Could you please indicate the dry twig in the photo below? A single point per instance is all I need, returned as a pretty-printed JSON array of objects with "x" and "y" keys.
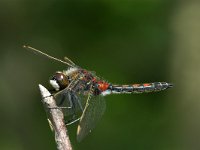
[{"x": 56, "y": 120}]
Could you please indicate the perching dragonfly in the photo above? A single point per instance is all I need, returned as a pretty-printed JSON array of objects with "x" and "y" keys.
[{"x": 81, "y": 91}]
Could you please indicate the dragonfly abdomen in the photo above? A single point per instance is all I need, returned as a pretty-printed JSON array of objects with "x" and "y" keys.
[{"x": 137, "y": 88}]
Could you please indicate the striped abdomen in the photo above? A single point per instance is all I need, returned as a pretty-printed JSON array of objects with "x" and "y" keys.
[{"x": 137, "y": 88}]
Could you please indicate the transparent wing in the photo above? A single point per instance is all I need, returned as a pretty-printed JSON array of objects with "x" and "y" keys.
[
  {"x": 93, "y": 111},
  {"x": 71, "y": 104}
]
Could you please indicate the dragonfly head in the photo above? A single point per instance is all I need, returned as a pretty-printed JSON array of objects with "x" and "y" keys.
[{"x": 59, "y": 81}]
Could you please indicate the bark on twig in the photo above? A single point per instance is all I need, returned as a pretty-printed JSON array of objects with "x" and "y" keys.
[{"x": 56, "y": 120}]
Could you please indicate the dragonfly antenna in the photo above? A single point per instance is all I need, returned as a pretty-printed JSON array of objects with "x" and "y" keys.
[
  {"x": 67, "y": 59},
  {"x": 49, "y": 56}
]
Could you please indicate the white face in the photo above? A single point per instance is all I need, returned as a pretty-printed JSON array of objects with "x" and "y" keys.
[{"x": 54, "y": 84}]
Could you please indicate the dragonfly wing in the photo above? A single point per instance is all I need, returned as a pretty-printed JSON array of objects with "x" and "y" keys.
[
  {"x": 71, "y": 105},
  {"x": 92, "y": 113}
]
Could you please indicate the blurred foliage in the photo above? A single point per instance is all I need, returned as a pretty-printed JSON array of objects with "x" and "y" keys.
[{"x": 125, "y": 42}]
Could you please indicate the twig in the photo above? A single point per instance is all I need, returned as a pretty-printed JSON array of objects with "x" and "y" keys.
[{"x": 56, "y": 120}]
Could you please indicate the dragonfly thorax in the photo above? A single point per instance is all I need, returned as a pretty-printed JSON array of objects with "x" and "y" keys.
[{"x": 59, "y": 81}]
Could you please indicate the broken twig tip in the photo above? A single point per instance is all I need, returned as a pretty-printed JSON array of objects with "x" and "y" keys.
[
  {"x": 44, "y": 92},
  {"x": 56, "y": 120}
]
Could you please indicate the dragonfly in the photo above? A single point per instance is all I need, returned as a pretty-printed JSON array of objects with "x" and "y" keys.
[{"x": 82, "y": 93}]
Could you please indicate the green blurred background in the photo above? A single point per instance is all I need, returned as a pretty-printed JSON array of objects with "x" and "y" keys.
[{"x": 124, "y": 42}]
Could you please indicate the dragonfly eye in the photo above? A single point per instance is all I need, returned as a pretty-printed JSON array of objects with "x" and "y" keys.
[{"x": 59, "y": 81}]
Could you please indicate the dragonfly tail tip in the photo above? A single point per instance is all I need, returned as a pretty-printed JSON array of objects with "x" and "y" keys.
[{"x": 170, "y": 85}]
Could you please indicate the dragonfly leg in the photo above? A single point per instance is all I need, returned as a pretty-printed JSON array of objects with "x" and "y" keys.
[
  {"x": 59, "y": 107},
  {"x": 72, "y": 121},
  {"x": 71, "y": 105},
  {"x": 72, "y": 102},
  {"x": 62, "y": 101},
  {"x": 79, "y": 102}
]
